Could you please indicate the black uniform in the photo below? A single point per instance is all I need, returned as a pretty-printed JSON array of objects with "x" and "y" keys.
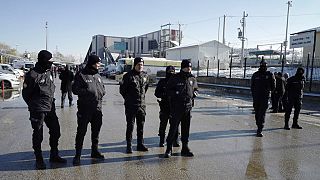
[
  {"x": 278, "y": 93},
  {"x": 38, "y": 93},
  {"x": 133, "y": 89},
  {"x": 90, "y": 90},
  {"x": 181, "y": 89},
  {"x": 262, "y": 83},
  {"x": 294, "y": 88},
  {"x": 164, "y": 113},
  {"x": 66, "y": 76}
]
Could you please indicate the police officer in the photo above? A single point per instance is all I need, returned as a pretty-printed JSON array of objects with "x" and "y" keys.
[
  {"x": 90, "y": 90},
  {"x": 294, "y": 88},
  {"x": 38, "y": 93},
  {"x": 164, "y": 113},
  {"x": 262, "y": 83},
  {"x": 285, "y": 95},
  {"x": 182, "y": 88},
  {"x": 278, "y": 93},
  {"x": 133, "y": 89},
  {"x": 66, "y": 76}
]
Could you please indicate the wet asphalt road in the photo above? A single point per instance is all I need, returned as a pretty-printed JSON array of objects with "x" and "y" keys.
[{"x": 222, "y": 139}]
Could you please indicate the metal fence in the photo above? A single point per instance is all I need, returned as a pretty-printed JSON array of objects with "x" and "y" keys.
[{"x": 245, "y": 71}]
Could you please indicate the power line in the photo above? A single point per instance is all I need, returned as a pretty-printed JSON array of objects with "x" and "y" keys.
[
  {"x": 275, "y": 16},
  {"x": 258, "y": 16}
]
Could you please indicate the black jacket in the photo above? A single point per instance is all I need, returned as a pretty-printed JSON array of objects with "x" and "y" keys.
[
  {"x": 89, "y": 88},
  {"x": 38, "y": 89},
  {"x": 294, "y": 87},
  {"x": 66, "y": 78},
  {"x": 133, "y": 88},
  {"x": 160, "y": 91},
  {"x": 262, "y": 82},
  {"x": 182, "y": 88},
  {"x": 280, "y": 86}
]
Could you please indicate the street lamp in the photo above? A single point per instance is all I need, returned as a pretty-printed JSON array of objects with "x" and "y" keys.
[
  {"x": 46, "y": 35},
  {"x": 17, "y": 48},
  {"x": 284, "y": 59}
]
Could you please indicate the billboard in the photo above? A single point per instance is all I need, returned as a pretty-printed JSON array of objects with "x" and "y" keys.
[{"x": 302, "y": 40}]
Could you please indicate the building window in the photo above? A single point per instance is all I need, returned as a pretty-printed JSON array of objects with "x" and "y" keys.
[{"x": 141, "y": 46}]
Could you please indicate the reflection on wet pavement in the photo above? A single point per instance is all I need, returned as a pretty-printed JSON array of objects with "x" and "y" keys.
[
  {"x": 222, "y": 137},
  {"x": 9, "y": 95},
  {"x": 255, "y": 168}
]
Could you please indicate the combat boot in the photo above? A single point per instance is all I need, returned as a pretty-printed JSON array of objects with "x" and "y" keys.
[
  {"x": 129, "y": 148},
  {"x": 141, "y": 146},
  {"x": 76, "y": 159},
  {"x": 95, "y": 153},
  {"x": 161, "y": 143},
  {"x": 39, "y": 162},
  {"x": 185, "y": 151},
  {"x": 259, "y": 133},
  {"x": 286, "y": 125},
  {"x": 168, "y": 152},
  {"x": 55, "y": 158},
  {"x": 295, "y": 124}
]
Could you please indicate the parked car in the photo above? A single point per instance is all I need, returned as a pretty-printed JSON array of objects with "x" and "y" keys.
[
  {"x": 109, "y": 71},
  {"x": 21, "y": 72},
  {"x": 8, "y": 69},
  {"x": 9, "y": 81},
  {"x": 101, "y": 68}
]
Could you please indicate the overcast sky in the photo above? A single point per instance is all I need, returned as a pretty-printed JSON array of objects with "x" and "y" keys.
[{"x": 72, "y": 23}]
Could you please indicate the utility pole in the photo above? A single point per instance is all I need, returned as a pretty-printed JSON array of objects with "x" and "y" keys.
[
  {"x": 224, "y": 30},
  {"x": 218, "y": 41},
  {"x": 163, "y": 43},
  {"x": 17, "y": 48},
  {"x": 241, "y": 35},
  {"x": 179, "y": 33},
  {"x": 285, "y": 41},
  {"x": 46, "y": 35}
]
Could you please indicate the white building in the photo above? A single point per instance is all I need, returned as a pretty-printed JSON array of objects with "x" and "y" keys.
[
  {"x": 208, "y": 51},
  {"x": 152, "y": 44}
]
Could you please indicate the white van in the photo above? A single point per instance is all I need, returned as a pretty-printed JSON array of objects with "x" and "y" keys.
[{"x": 25, "y": 65}]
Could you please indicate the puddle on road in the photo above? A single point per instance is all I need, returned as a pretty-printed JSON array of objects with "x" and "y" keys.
[{"x": 9, "y": 95}]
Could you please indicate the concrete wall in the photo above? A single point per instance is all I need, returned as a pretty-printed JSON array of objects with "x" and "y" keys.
[
  {"x": 246, "y": 82},
  {"x": 225, "y": 81}
]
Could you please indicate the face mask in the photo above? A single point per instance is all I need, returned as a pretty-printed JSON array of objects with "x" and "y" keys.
[
  {"x": 299, "y": 74},
  {"x": 168, "y": 74},
  {"x": 48, "y": 65},
  {"x": 263, "y": 68}
]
